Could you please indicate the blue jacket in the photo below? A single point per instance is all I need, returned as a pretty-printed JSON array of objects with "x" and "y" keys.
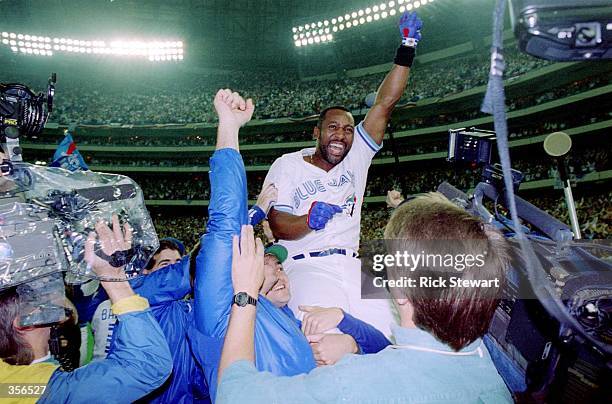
[
  {"x": 280, "y": 346},
  {"x": 207, "y": 350},
  {"x": 139, "y": 363},
  {"x": 165, "y": 290}
]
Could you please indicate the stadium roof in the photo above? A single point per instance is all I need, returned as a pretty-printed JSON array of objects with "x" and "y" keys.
[{"x": 247, "y": 34}]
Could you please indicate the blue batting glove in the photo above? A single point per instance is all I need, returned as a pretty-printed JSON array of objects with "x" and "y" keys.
[
  {"x": 410, "y": 28},
  {"x": 320, "y": 213}
]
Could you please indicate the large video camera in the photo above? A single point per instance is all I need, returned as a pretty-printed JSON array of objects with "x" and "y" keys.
[
  {"x": 46, "y": 214},
  {"x": 556, "y": 349},
  {"x": 23, "y": 113},
  {"x": 563, "y": 30}
]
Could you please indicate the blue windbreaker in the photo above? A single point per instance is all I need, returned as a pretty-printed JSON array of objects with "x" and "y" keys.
[
  {"x": 165, "y": 290},
  {"x": 280, "y": 346},
  {"x": 139, "y": 363}
]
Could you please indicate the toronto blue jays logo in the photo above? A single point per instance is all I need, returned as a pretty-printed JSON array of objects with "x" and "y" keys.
[{"x": 348, "y": 207}]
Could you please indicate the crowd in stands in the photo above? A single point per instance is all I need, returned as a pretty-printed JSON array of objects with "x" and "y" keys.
[
  {"x": 404, "y": 146},
  {"x": 594, "y": 216},
  {"x": 189, "y": 98},
  {"x": 413, "y": 180},
  {"x": 252, "y": 136}
]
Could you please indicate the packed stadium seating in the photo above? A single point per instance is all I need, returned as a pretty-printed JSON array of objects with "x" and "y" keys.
[
  {"x": 190, "y": 100},
  {"x": 594, "y": 216},
  {"x": 116, "y": 114}
]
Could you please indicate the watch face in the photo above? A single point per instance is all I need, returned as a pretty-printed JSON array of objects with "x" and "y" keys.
[{"x": 241, "y": 299}]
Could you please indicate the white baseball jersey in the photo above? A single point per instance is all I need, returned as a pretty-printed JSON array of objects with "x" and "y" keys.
[
  {"x": 103, "y": 323},
  {"x": 300, "y": 183}
]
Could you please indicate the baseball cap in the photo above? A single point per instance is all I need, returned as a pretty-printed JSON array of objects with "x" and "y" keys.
[{"x": 278, "y": 251}]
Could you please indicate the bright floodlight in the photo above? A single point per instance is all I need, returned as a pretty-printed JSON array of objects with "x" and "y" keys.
[
  {"x": 355, "y": 18},
  {"x": 42, "y": 45}
]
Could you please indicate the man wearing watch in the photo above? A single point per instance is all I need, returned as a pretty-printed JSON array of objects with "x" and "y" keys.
[
  {"x": 280, "y": 344},
  {"x": 242, "y": 299}
]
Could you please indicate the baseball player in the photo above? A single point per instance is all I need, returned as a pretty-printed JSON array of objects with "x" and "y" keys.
[{"x": 320, "y": 192}]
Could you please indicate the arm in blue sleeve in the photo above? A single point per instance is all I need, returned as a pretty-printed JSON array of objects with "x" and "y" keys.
[
  {"x": 166, "y": 284},
  {"x": 369, "y": 339},
  {"x": 227, "y": 212},
  {"x": 139, "y": 363}
]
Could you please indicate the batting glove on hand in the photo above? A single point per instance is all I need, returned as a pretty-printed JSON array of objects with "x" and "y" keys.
[
  {"x": 320, "y": 213},
  {"x": 410, "y": 28}
]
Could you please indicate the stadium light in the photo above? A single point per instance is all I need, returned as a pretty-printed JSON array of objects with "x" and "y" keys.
[
  {"x": 352, "y": 19},
  {"x": 42, "y": 45}
]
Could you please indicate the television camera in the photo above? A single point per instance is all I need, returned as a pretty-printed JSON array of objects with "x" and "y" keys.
[
  {"x": 551, "y": 335},
  {"x": 46, "y": 214}
]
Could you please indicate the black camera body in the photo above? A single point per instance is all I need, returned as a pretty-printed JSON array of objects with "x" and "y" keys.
[
  {"x": 541, "y": 358},
  {"x": 23, "y": 113},
  {"x": 541, "y": 355},
  {"x": 563, "y": 30}
]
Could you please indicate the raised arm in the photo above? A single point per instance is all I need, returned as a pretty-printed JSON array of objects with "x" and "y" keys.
[
  {"x": 227, "y": 212},
  {"x": 247, "y": 277},
  {"x": 394, "y": 84},
  {"x": 265, "y": 200}
]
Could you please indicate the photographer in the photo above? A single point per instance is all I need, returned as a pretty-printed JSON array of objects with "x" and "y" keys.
[{"x": 139, "y": 362}]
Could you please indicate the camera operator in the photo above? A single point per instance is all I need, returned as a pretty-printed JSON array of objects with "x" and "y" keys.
[{"x": 139, "y": 362}]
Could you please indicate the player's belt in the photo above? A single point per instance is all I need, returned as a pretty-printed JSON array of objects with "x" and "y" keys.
[{"x": 325, "y": 253}]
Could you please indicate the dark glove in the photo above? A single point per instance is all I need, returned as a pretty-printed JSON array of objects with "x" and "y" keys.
[{"x": 320, "y": 213}]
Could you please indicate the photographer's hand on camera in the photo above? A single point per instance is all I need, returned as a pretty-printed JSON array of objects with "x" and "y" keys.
[{"x": 110, "y": 241}]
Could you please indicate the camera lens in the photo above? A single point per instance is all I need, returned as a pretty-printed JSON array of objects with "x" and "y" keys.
[{"x": 587, "y": 34}]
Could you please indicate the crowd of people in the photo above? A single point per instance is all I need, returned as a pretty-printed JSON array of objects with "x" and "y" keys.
[
  {"x": 216, "y": 316},
  {"x": 412, "y": 180},
  {"x": 206, "y": 137},
  {"x": 188, "y": 100},
  {"x": 594, "y": 216},
  {"x": 403, "y": 146}
]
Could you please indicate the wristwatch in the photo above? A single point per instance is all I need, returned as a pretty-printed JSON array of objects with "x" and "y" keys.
[{"x": 242, "y": 299}]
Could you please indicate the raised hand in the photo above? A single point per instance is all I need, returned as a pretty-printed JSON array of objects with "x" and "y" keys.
[
  {"x": 394, "y": 198},
  {"x": 320, "y": 213},
  {"x": 410, "y": 29},
  {"x": 267, "y": 197},
  {"x": 232, "y": 109}
]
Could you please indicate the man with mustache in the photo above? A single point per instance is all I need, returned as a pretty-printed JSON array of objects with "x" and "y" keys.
[{"x": 320, "y": 192}]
